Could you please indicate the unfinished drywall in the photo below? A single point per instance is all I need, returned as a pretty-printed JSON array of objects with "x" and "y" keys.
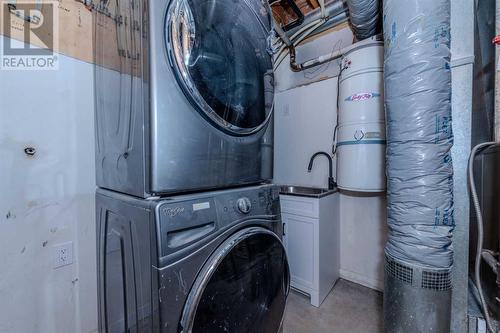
[
  {"x": 47, "y": 198},
  {"x": 305, "y": 118}
]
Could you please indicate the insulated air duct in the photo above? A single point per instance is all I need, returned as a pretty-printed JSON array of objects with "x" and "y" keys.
[
  {"x": 419, "y": 167},
  {"x": 364, "y": 15}
]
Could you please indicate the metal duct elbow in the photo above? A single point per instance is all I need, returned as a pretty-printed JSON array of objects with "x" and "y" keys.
[{"x": 364, "y": 15}]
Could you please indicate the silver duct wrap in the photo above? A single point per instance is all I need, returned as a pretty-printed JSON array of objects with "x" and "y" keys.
[
  {"x": 419, "y": 132},
  {"x": 364, "y": 15}
]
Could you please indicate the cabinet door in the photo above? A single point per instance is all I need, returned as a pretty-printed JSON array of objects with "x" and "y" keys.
[{"x": 300, "y": 242}]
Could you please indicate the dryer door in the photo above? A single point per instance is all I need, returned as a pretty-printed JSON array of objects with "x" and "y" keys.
[
  {"x": 218, "y": 50},
  {"x": 242, "y": 288}
]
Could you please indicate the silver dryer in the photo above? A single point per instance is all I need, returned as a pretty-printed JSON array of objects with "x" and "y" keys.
[{"x": 184, "y": 95}]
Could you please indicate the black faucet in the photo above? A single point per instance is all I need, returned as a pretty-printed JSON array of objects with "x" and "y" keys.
[{"x": 331, "y": 182}]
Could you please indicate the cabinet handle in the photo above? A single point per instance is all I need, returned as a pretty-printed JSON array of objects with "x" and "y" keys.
[{"x": 284, "y": 225}]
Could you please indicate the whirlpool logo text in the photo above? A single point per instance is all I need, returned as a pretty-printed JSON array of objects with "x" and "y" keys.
[
  {"x": 362, "y": 96},
  {"x": 174, "y": 211}
]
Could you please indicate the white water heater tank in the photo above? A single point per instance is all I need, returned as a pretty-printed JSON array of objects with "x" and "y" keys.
[{"x": 361, "y": 129}]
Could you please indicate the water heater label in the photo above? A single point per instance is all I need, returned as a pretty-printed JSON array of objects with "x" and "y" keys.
[{"x": 362, "y": 96}]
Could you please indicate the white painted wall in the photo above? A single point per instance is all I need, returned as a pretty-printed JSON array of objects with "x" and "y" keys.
[
  {"x": 47, "y": 199},
  {"x": 304, "y": 122},
  {"x": 363, "y": 232}
]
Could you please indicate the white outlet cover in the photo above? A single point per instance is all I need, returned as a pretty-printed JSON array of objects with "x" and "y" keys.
[{"x": 63, "y": 254}]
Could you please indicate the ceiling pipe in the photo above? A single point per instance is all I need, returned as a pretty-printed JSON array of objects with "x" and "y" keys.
[
  {"x": 332, "y": 10},
  {"x": 364, "y": 16},
  {"x": 332, "y": 22},
  {"x": 298, "y": 67}
]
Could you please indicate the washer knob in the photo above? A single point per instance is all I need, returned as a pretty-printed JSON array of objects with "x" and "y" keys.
[{"x": 244, "y": 205}]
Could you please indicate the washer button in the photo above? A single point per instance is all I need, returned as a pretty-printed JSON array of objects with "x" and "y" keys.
[{"x": 244, "y": 205}]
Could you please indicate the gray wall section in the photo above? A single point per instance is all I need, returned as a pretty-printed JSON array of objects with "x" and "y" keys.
[
  {"x": 461, "y": 113},
  {"x": 497, "y": 77},
  {"x": 462, "y": 46},
  {"x": 483, "y": 101},
  {"x": 481, "y": 130}
]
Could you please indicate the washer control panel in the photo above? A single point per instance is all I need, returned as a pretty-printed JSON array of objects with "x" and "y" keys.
[
  {"x": 187, "y": 219},
  {"x": 242, "y": 204}
]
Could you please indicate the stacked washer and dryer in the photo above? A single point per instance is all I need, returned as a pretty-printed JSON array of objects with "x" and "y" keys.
[{"x": 188, "y": 226}]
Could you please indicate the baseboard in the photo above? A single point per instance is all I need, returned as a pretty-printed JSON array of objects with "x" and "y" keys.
[{"x": 362, "y": 280}]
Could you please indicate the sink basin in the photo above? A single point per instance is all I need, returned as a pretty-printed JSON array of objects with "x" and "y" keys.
[{"x": 301, "y": 191}]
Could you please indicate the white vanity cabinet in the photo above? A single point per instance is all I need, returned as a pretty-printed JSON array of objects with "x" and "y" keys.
[{"x": 311, "y": 238}]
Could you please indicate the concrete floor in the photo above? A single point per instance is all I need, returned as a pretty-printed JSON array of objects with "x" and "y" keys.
[{"x": 349, "y": 308}]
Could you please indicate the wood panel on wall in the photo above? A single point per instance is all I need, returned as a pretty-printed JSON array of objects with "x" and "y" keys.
[{"x": 76, "y": 29}]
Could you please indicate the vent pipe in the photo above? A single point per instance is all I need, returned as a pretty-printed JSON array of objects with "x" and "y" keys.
[
  {"x": 364, "y": 15},
  {"x": 419, "y": 167},
  {"x": 332, "y": 10}
]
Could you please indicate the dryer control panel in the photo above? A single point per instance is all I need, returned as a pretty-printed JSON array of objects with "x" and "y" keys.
[{"x": 186, "y": 220}]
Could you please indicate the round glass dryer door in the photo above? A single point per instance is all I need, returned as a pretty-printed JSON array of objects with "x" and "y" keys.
[
  {"x": 218, "y": 50},
  {"x": 242, "y": 288}
]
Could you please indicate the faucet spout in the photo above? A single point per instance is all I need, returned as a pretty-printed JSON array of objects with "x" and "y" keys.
[
  {"x": 309, "y": 168},
  {"x": 331, "y": 182}
]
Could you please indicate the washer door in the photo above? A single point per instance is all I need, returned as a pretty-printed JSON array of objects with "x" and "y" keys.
[
  {"x": 218, "y": 50},
  {"x": 242, "y": 288}
]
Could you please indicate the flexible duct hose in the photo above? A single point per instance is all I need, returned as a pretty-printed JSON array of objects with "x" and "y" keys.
[
  {"x": 364, "y": 16},
  {"x": 417, "y": 77},
  {"x": 480, "y": 232}
]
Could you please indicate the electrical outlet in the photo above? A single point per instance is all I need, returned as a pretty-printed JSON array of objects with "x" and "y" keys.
[{"x": 63, "y": 254}]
